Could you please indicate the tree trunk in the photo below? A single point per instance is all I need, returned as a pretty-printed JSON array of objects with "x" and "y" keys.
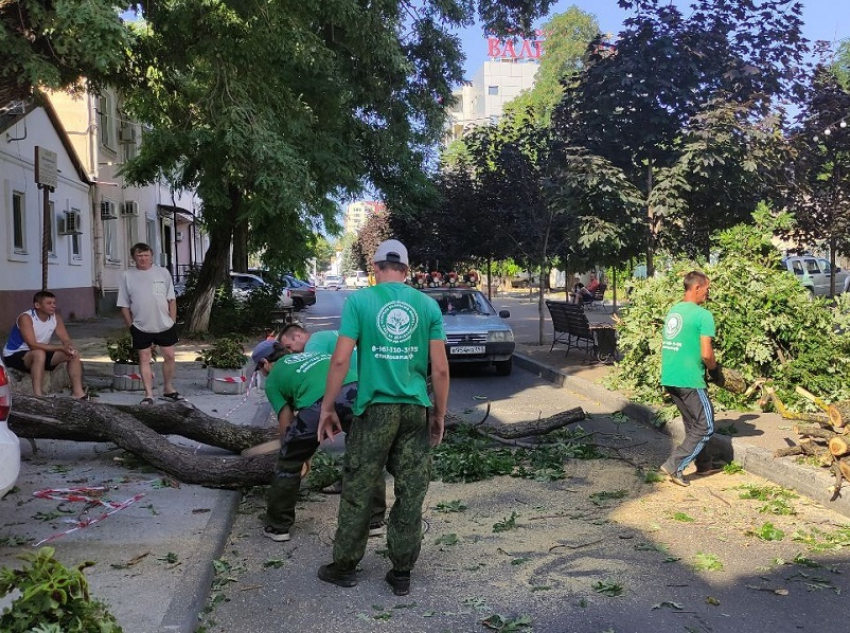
[
  {"x": 814, "y": 430},
  {"x": 214, "y": 269},
  {"x": 650, "y": 225},
  {"x": 65, "y": 418},
  {"x": 239, "y": 258}
]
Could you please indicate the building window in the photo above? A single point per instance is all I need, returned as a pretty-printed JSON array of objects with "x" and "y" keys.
[
  {"x": 76, "y": 247},
  {"x": 132, "y": 233},
  {"x": 492, "y": 90},
  {"x": 150, "y": 233},
  {"x": 110, "y": 240},
  {"x": 104, "y": 121},
  {"x": 19, "y": 226}
]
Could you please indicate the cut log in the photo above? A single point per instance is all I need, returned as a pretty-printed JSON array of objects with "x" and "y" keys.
[
  {"x": 844, "y": 467},
  {"x": 839, "y": 445},
  {"x": 814, "y": 430},
  {"x": 839, "y": 413},
  {"x": 536, "y": 427},
  {"x": 731, "y": 380}
]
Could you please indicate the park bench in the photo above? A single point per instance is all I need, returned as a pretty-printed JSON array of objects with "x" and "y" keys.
[
  {"x": 571, "y": 328},
  {"x": 598, "y": 300}
]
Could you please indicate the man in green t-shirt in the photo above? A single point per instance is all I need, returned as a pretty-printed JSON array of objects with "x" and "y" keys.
[
  {"x": 397, "y": 329},
  {"x": 296, "y": 383},
  {"x": 686, "y": 352},
  {"x": 296, "y": 339}
]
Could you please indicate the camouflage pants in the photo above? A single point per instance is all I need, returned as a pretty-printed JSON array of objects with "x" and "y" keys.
[
  {"x": 298, "y": 446},
  {"x": 395, "y": 436}
]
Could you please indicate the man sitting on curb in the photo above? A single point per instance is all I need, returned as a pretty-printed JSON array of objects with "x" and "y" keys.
[
  {"x": 296, "y": 382},
  {"x": 29, "y": 349}
]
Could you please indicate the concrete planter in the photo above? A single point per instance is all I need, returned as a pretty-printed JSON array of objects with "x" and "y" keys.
[
  {"x": 227, "y": 381},
  {"x": 127, "y": 377}
]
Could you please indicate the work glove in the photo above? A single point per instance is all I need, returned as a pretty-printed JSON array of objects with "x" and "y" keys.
[{"x": 716, "y": 375}]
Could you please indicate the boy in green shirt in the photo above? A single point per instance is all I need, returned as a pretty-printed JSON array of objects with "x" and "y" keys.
[
  {"x": 686, "y": 352},
  {"x": 397, "y": 329}
]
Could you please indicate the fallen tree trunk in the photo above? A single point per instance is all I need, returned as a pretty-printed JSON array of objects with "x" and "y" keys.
[
  {"x": 68, "y": 419},
  {"x": 814, "y": 430},
  {"x": 142, "y": 431},
  {"x": 536, "y": 427},
  {"x": 55, "y": 418}
]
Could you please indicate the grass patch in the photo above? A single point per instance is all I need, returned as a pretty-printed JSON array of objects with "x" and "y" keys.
[{"x": 707, "y": 562}]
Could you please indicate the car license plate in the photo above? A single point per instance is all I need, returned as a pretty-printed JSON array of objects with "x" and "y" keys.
[{"x": 467, "y": 349}]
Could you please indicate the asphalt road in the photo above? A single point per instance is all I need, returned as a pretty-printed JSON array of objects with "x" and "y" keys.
[{"x": 602, "y": 550}]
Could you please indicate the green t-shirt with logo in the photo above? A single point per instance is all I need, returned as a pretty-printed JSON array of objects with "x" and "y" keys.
[
  {"x": 681, "y": 352},
  {"x": 393, "y": 325},
  {"x": 299, "y": 380},
  {"x": 324, "y": 342}
]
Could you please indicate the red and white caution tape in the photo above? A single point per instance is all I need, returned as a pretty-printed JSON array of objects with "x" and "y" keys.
[
  {"x": 83, "y": 495},
  {"x": 129, "y": 376},
  {"x": 233, "y": 379}
]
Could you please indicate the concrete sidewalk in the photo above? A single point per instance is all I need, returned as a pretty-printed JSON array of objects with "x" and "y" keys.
[{"x": 154, "y": 559}]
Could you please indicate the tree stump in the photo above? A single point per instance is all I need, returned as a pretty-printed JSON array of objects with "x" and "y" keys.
[{"x": 839, "y": 413}]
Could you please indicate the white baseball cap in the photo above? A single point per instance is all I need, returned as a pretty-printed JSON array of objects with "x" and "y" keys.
[{"x": 391, "y": 251}]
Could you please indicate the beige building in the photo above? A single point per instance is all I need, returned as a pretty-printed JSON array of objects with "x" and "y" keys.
[{"x": 357, "y": 213}]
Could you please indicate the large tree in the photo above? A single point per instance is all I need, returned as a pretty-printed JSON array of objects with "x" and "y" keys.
[
  {"x": 273, "y": 111},
  {"x": 59, "y": 44},
  {"x": 669, "y": 76}
]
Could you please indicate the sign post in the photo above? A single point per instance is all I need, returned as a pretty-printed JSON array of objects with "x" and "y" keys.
[{"x": 46, "y": 176}]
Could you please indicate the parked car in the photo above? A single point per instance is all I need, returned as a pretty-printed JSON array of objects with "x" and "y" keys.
[
  {"x": 358, "y": 279},
  {"x": 244, "y": 283},
  {"x": 332, "y": 281},
  {"x": 303, "y": 294},
  {"x": 815, "y": 274},
  {"x": 475, "y": 332}
]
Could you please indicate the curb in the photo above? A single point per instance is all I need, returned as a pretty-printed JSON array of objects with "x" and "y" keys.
[
  {"x": 758, "y": 461},
  {"x": 189, "y": 601}
]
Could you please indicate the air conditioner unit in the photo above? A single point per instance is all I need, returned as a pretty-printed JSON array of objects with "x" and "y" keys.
[
  {"x": 130, "y": 209},
  {"x": 107, "y": 210},
  {"x": 71, "y": 223},
  {"x": 178, "y": 236},
  {"x": 127, "y": 134}
]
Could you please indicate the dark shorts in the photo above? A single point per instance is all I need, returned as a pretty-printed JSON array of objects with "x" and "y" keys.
[
  {"x": 306, "y": 423},
  {"x": 16, "y": 361},
  {"x": 145, "y": 340}
]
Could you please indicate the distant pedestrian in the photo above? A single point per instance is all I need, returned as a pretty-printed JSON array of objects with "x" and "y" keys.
[
  {"x": 397, "y": 330},
  {"x": 29, "y": 348},
  {"x": 296, "y": 383},
  {"x": 686, "y": 353},
  {"x": 149, "y": 307}
]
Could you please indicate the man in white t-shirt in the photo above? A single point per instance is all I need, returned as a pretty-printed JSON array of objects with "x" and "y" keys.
[{"x": 149, "y": 307}]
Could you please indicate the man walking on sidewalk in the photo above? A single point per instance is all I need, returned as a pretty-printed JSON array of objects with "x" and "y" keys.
[
  {"x": 149, "y": 307},
  {"x": 396, "y": 328},
  {"x": 686, "y": 352}
]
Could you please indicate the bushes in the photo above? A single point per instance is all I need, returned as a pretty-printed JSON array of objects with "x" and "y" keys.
[{"x": 766, "y": 324}]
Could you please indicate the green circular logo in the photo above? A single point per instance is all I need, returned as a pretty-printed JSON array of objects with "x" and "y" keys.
[
  {"x": 397, "y": 321},
  {"x": 673, "y": 325}
]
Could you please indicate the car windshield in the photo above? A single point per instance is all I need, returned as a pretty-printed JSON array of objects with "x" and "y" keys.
[{"x": 462, "y": 302}]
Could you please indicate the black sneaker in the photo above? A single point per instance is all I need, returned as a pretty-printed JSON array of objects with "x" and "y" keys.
[
  {"x": 332, "y": 574},
  {"x": 377, "y": 529},
  {"x": 708, "y": 470},
  {"x": 677, "y": 478},
  {"x": 399, "y": 581},
  {"x": 276, "y": 534}
]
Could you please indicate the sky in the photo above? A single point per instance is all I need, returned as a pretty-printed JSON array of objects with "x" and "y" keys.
[{"x": 823, "y": 20}]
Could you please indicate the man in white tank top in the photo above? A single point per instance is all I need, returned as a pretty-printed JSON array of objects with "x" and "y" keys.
[{"x": 29, "y": 349}]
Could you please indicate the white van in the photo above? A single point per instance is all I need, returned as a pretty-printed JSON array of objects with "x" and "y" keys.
[{"x": 358, "y": 279}]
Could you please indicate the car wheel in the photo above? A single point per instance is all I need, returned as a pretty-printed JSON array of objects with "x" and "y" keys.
[
  {"x": 811, "y": 294},
  {"x": 297, "y": 304},
  {"x": 504, "y": 367}
]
